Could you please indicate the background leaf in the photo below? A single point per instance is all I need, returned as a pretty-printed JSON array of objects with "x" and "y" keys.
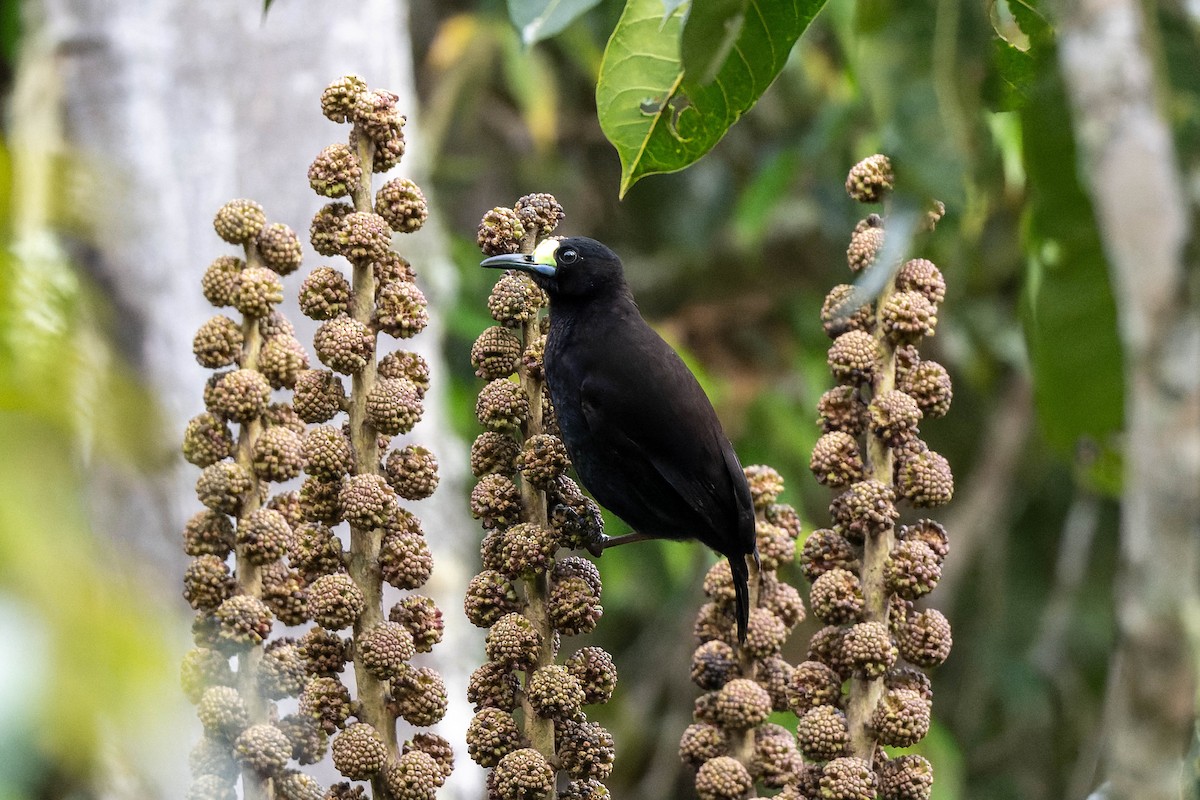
[
  {"x": 1070, "y": 315},
  {"x": 1013, "y": 74},
  {"x": 530, "y": 76},
  {"x": 657, "y": 126},
  {"x": 540, "y": 19}
]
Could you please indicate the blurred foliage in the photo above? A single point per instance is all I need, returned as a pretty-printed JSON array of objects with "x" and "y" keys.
[
  {"x": 731, "y": 259},
  {"x": 541, "y": 19},
  {"x": 85, "y": 651}
]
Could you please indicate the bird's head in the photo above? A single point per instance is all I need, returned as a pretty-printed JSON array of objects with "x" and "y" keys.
[{"x": 567, "y": 269}]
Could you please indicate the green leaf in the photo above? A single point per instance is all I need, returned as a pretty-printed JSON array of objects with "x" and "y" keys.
[
  {"x": 540, "y": 19},
  {"x": 10, "y": 32},
  {"x": 654, "y": 123},
  {"x": 711, "y": 29},
  {"x": 1070, "y": 314}
]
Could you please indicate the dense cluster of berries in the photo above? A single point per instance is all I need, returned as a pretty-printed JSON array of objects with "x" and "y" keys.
[
  {"x": 730, "y": 743},
  {"x": 873, "y": 564},
  {"x": 530, "y": 723},
  {"x": 236, "y": 669},
  {"x": 292, "y": 566}
]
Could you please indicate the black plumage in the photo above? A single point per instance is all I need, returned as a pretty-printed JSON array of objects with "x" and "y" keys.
[{"x": 640, "y": 431}]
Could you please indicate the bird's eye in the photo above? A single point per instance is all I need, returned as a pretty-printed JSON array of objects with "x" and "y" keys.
[{"x": 568, "y": 256}]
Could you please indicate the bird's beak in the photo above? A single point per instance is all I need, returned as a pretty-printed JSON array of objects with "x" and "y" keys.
[{"x": 540, "y": 261}]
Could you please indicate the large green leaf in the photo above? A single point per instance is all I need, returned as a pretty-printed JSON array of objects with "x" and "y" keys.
[
  {"x": 711, "y": 29},
  {"x": 656, "y": 123},
  {"x": 540, "y": 19},
  {"x": 671, "y": 6}
]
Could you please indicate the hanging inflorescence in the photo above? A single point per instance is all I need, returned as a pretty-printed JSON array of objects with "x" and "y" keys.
[
  {"x": 864, "y": 685},
  {"x": 293, "y": 566},
  {"x": 530, "y": 724}
]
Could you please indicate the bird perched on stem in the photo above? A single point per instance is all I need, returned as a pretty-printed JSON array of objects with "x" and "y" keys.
[{"x": 640, "y": 431}]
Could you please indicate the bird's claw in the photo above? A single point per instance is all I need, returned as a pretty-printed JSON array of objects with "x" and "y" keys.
[{"x": 604, "y": 542}]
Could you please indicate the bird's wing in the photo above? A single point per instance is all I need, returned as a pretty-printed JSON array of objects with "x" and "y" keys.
[{"x": 658, "y": 427}]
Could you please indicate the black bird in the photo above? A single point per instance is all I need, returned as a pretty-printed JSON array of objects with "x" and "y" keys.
[{"x": 640, "y": 431}]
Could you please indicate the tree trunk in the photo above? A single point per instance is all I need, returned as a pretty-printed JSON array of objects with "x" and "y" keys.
[{"x": 1129, "y": 162}]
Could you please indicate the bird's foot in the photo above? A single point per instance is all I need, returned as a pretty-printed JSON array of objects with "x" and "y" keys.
[{"x": 598, "y": 547}]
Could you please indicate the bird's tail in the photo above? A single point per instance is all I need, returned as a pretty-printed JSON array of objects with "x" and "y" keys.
[{"x": 741, "y": 590}]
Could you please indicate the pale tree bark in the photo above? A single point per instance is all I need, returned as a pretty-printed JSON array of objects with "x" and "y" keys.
[
  {"x": 169, "y": 108},
  {"x": 1127, "y": 159}
]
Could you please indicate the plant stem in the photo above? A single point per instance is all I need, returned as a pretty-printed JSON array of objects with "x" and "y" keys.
[
  {"x": 249, "y": 575},
  {"x": 364, "y": 439},
  {"x": 539, "y": 730},
  {"x": 866, "y": 692}
]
